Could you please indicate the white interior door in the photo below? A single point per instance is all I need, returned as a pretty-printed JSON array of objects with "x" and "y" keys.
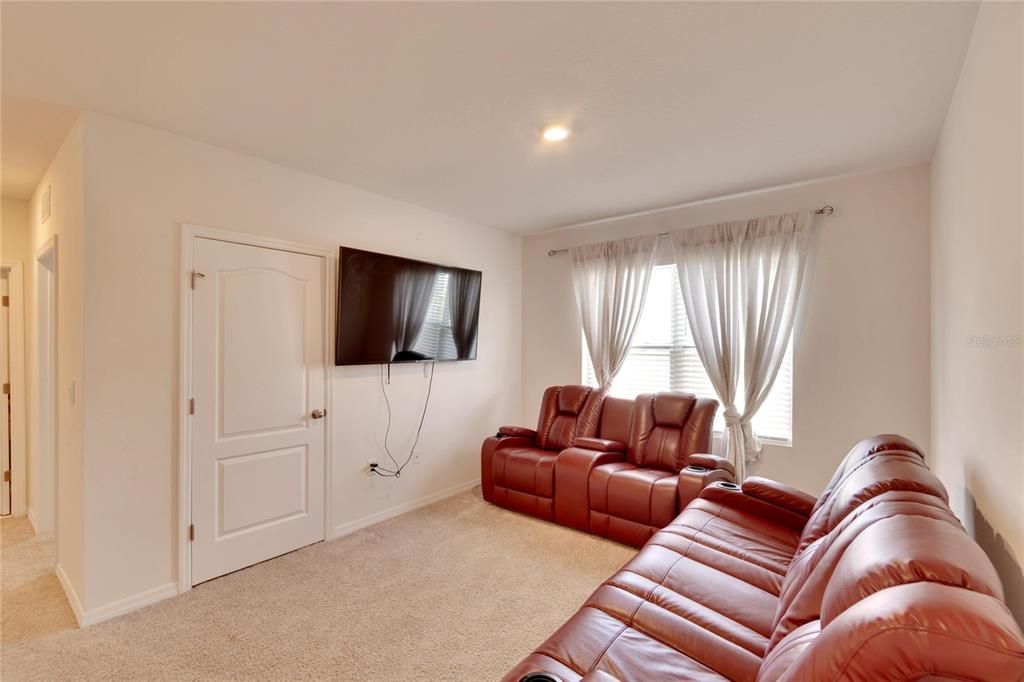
[
  {"x": 258, "y": 378},
  {"x": 5, "y": 400}
]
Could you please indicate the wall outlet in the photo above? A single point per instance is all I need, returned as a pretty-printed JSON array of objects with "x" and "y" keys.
[{"x": 370, "y": 465}]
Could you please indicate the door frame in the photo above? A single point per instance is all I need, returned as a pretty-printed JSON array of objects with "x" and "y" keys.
[
  {"x": 19, "y": 421},
  {"x": 45, "y": 516},
  {"x": 189, "y": 234}
]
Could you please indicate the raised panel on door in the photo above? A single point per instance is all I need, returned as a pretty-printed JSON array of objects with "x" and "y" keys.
[
  {"x": 260, "y": 488},
  {"x": 271, "y": 301},
  {"x": 258, "y": 374}
]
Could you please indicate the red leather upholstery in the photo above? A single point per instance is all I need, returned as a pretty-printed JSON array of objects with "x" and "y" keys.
[
  {"x": 568, "y": 412},
  {"x": 517, "y": 466},
  {"x": 779, "y": 494},
  {"x": 630, "y": 500},
  {"x": 875, "y": 580},
  {"x": 575, "y": 465},
  {"x": 669, "y": 427}
]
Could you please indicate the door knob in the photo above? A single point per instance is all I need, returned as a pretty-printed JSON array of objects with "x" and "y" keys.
[{"x": 319, "y": 414}]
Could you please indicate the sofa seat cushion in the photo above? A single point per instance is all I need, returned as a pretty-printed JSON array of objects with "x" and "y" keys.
[
  {"x": 525, "y": 469},
  {"x": 603, "y": 643},
  {"x": 626, "y": 491},
  {"x": 745, "y": 536}
]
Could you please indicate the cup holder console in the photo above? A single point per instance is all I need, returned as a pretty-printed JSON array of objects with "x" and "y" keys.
[
  {"x": 693, "y": 468},
  {"x": 727, "y": 485},
  {"x": 540, "y": 677}
]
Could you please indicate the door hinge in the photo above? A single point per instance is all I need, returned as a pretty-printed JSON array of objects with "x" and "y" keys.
[
  {"x": 7, "y": 477},
  {"x": 191, "y": 406},
  {"x": 7, "y": 389},
  {"x": 196, "y": 275},
  {"x": 7, "y": 301},
  {"x": 191, "y": 532}
]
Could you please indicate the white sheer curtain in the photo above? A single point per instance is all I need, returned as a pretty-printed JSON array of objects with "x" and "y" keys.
[
  {"x": 464, "y": 308},
  {"x": 414, "y": 284},
  {"x": 742, "y": 283},
  {"x": 611, "y": 281}
]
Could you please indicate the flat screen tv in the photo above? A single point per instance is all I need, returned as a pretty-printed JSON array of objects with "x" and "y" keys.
[{"x": 393, "y": 309}]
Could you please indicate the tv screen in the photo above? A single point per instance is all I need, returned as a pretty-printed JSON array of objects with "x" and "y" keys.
[{"x": 393, "y": 309}]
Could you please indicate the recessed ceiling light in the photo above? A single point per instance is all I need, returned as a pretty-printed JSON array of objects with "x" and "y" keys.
[{"x": 555, "y": 133}]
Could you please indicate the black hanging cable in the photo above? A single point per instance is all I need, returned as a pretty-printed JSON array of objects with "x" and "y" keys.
[
  {"x": 397, "y": 471},
  {"x": 387, "y": 430}
]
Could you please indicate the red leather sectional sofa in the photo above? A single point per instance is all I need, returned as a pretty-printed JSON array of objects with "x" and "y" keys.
[
  {"x": 874, "y": 580},
  {"x": 622, "y": 469}
]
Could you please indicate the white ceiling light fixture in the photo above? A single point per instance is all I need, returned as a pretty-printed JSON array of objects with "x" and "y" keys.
[{"x": 555, "y": 133}]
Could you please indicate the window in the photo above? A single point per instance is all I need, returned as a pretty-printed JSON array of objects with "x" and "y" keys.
[
  {"x": 663, "y": 358},
  {"x": 435, "y": 339}
]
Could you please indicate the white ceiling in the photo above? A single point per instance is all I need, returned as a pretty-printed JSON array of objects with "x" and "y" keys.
[{"x": 441, "y": 104}]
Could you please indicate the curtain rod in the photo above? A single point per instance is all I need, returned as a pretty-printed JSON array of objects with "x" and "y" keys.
[{"x": 827, "y": 209}]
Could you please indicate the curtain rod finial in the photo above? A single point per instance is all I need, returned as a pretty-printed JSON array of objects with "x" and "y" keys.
[{"x": 825, "y": 210}]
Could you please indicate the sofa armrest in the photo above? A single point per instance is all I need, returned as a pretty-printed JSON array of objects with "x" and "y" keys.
[
  {"x": 694, "y": 478},
  {"x": 711, "y": 462},
  {"x": 572, "y": 484},
  {"x": 779, "y": 494},
  {"x": 517, "y": 431},
  {"x": 490, "y": 446},
  {"x": 599, "y": 445},
  {"x": 731, "y": 495}
]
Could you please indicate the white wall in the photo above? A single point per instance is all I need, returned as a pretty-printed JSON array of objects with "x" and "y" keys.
[
  {"x": 861, "y": 350},
  {"x": 142, "y": 183},
  {"x": 978, "y": 291},
  {"x": 66, "y": 223},
  {"x": 15, "y": 230}
]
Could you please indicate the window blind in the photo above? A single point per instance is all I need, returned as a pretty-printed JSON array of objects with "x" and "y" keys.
[
  {"x": 663, "y": 357},
  {"x": 435, "y": 339}
]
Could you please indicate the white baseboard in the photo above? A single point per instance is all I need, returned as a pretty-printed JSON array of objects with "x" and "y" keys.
[
  {"x": 137, "y": 601},
  {"x": 123, "y": 606},
  {"x": 69, "y": 592},
  {"x": 360, "y": 523},
  {"x": 113, "y": 609}
]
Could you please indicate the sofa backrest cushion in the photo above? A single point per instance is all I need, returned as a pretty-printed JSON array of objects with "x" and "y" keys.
[
  {"x": 913, "y": 631},
  {"x": 809, "y": 574},
  {"x": 907, "y": 595},
  {"x": 858, "y": 480},
  {"x": 669, "y": 427},
  {"x": 568, "y": 413},
  {"x": 616, "y": 416},
  {"x": 907, "y": 549}
]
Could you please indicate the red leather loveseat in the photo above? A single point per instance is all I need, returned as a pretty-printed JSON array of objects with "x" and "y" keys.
[
  {"x": 618, "y": 468},
  {"x": 874, "y": 580}
]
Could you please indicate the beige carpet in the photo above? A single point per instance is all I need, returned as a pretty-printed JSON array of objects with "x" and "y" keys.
[
  {"x": 32, "y": 602},
  {"x": 459, "y": 590}
]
